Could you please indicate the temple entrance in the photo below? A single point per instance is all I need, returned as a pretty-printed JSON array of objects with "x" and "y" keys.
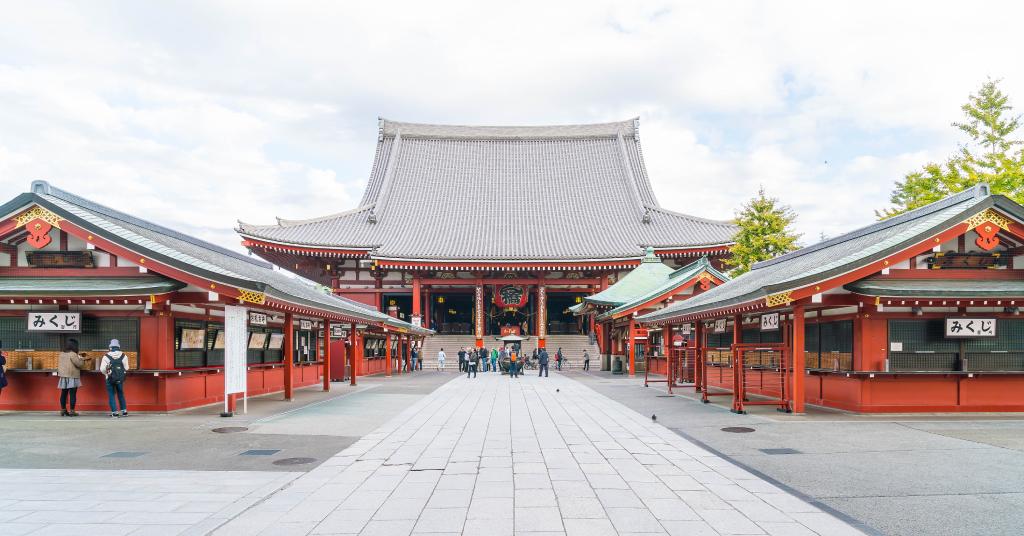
[
  {"x": 560, "y": 320},
  {"x": 452, "y": 313},
  {"x": 397, "y": 305}
]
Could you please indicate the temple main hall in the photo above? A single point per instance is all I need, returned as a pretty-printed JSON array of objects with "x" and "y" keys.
[{"x": 480, "y": 232}]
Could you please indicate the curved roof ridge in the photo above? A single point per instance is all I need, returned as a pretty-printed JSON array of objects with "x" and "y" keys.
[
  {"x": 977, "y": 191},
  {"x": 281, "y": 222},
  {"x": 669, "y": 212},
  {"x": 627, "y": 128}
]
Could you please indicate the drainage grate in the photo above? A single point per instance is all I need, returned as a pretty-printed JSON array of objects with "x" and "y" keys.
[
  {"x": 294, "y": 461},
  {"x": 737, "y": 429},
  {"x": 780, "y": 451},
  {"x": 665, "y": 396},
  {"x": 125, "y": 454},
  {"x": 230, "y": 430},
  {"x": 261, "y": 452}
]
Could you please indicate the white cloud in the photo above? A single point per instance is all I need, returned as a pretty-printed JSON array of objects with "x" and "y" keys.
[{"x": 205, "y": 113}]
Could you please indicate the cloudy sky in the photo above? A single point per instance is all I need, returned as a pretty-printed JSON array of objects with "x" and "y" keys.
[{"x": 201, "y": 113}]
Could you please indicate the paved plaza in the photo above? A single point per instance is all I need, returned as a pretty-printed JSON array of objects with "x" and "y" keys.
[{"x": 486, "y": 456}]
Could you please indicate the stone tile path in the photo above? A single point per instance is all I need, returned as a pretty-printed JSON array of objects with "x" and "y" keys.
[{"x": 494, "y": 456}]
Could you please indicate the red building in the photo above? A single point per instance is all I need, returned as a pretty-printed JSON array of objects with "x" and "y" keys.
[
  {"x": 475, "y": 231},
  {"x": 919, "y": 312},
  {"x": 109, "y": 275}
]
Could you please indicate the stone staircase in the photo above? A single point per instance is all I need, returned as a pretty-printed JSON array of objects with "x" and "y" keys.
[{"x": 572, "y": 348}]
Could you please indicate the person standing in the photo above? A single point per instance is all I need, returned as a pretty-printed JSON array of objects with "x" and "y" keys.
[
  {"x": 483, "y": 358},
  {"x": 542, "y": 363},
  {"x": 440, "y": 359},
  {"x": 115, "y": 367},
  {"x": 462, "y": 359},
  {"x": 559, "y": 357},
  {"x": 3, "y": 369},
  {"x": 513, "y": 366},
  {"x": 413, "y": 358},
  {"x": 69, "y": 377},
  {"x": 472, "y": 361},
  {"x": 494, "y": 360},
  {"x": 586, "y": 360}
]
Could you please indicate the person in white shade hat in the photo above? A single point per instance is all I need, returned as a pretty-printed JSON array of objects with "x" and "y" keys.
[{"x": 115, "y": 368}]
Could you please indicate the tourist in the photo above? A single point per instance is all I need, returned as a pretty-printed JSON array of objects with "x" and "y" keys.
[
  {"x": 115, "y": 367},
  {"x": 483, "y": 358},
  {"x": 494, "y": 360},
  {"x": 586, "y": 360},
  {"x": 542, "y": 363},
  {"x": 440, "y": 359},
  {"x": 413, "y": 358},
  {"x": 69, "y": 377},
  {"x": 3, "y": 369},
  {"x": 513, "y": 366},
  {"x": 462, "y": 359},
  {"x": 472, "y": 360},
  {"x": 559, "y": 358}
]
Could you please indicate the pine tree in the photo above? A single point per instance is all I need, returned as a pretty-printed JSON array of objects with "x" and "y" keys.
[
  {"x": 765, "y": 232},
  {"x": 990, "y": 124}
]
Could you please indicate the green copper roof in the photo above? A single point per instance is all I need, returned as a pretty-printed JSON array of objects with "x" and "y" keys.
[
  {"x": 938, "y": 288},
  {"x": 675, "y": 280},
  {"x": 87, "y": 286},
  {"x": 651, "y": 274}
]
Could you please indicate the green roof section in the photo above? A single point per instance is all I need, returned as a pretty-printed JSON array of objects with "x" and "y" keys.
[
  {"x": 675, "y": 280},
  {"x": 649, "y": 275},
  {"x": 842, "y": 254},
  {"x": 938, "y": 288},
  {"x": 87, "y": 286}
]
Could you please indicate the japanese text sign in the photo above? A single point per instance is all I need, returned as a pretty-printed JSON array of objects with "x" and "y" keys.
[
  {"x": 970, "y": 327},
  {"x": 55, "y": 321}
]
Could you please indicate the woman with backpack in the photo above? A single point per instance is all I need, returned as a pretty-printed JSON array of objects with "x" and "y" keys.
[
  {"x": 115, "y": 367},
  {"x": 69, "y": 377}
]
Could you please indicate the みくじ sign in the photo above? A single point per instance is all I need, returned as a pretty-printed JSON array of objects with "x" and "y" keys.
[
  {"x": 62, "y": 321},
  {"x": 970, "y": 327}
]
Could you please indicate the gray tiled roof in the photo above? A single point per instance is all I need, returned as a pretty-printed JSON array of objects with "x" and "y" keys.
[
  {"x": 838, "y": 255},
  {"x": 674, "y": 280},
  {"x": 197, "y": 256},
  {"x": 438, "y": 192}
]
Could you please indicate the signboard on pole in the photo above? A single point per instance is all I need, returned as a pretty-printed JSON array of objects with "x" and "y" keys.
[{"x": 235, "y": 349}]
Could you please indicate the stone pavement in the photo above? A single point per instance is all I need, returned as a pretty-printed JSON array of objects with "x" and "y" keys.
[{"x": 495, "y": 456}]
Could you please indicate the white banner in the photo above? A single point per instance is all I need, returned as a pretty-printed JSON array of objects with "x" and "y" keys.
[{"x": 235, "y": 349}]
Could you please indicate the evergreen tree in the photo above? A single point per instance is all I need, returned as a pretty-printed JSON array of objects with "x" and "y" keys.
[
  {"x": 990, "y": 125},
  {"x": 765, "y": 232}
]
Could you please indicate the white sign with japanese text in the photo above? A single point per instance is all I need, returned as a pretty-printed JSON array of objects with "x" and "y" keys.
[
  {"x": 720, "y": 325},
  {"x": 61, "y": 321},
  {"x": 685, "y": 330},
  {"x": 305, "y": 325},
  {"x": 970, "y": 327},
  {"x": 257, "y": 319},
  {"x": 235, "y": 349},
  {"x": 770, "y": 322}
]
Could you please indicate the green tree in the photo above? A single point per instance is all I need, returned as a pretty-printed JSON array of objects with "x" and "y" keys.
[
  {"x": 765, "y": 232},
  {"x": 992, "y": 155}
]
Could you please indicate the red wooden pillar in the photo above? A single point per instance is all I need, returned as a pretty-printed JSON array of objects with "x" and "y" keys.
[
  {"x": 630, "y": 349},
  {"x": 289, "y": 356},
  {"x": 799, "y": 362},
  {"x": 387, "y": 353},
  {"x": 737, "y": 364},
  {"x": 378, "y": 284},
  {"x": 327, "y": 354},
  {"x": 699, "y": 376},
  {"x": 416, "y": 303},
  {"x": 353, "y": 351},
  {"x": 426, "y": 309}
]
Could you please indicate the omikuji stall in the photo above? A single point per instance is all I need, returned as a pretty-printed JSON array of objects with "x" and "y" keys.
[
  {"x": 920, "y": 312},
  {"x": 70, "y": 267}
]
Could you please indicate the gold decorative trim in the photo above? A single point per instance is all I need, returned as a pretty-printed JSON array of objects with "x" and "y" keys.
[
  {"x": 251, "y": 296},
  {"x": 782, "y": 298},
  {"x": 988, "y": 215},
  {"x": 37, "y": 212}
]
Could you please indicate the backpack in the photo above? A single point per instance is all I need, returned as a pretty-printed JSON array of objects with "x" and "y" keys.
[{"x": 116, "y": 368}]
